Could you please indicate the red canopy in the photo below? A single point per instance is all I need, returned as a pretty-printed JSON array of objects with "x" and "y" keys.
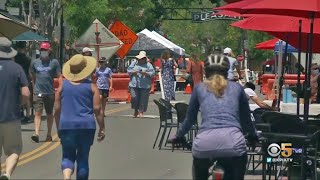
[
  {"x": 268, "y": 45},
  {"x": 283, "y": 26}
]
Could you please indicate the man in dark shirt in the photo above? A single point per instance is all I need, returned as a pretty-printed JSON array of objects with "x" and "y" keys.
[
  {"x": 24, "y": 61},
  {"x": 13, "y": 89}
]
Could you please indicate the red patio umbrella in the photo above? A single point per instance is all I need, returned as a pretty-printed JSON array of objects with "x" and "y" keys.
[
  {"x": 267, "y": 45},
  {"x": 227, "y": 13},
  {"x": 237, "y": 6},
  {"x": 298, "y": 8},
  {"x": 283, "y": 26}
]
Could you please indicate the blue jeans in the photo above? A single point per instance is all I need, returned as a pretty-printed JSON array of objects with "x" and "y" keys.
[{"x": 76, "y": 147}]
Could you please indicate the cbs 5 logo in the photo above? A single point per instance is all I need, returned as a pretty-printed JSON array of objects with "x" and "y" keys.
[{"x": 274, "y": 150}]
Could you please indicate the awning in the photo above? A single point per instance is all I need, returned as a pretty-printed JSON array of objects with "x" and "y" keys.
[{"x": 29, "y": 36}]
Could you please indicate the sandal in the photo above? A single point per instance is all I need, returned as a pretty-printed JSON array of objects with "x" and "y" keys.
[
  {"x": 35, "y": 138},
  {"x": 135, "y": 115},
  {"x": 48, "y": 139}
]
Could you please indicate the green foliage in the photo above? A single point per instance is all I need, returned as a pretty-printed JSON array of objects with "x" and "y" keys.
[
  {"x": 14, "y": 3},
  {"x": 79, "y": 14},
  {"x": 200, "y": 38},
  {"x": 196, "y": 38},
  {"x": 256, "y": 56},
  {"x": 137, "y": 14}
]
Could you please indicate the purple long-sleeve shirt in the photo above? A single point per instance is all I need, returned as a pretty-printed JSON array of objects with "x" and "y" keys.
[{"x": 232, "y": 110}]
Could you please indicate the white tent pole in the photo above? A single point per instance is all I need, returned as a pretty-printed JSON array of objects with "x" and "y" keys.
[{"x": 161, "y": 85}]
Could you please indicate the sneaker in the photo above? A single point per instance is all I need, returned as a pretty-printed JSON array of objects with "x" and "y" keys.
[
  {"x": 35, "y": 138},
  {"x": 48, "y": 139},
  {"x": 4, "y": 177},
  {"x": 26, "y": 119}
]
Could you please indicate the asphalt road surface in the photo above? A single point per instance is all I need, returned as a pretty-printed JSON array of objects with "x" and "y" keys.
[{"x": 126, "y": 153}]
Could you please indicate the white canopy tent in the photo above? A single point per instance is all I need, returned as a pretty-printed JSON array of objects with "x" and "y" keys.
[
  {"x": 161, "y": 41},
  {"x": 177, "y": 48}
]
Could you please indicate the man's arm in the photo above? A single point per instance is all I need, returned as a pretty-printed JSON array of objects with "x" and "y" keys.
[
  {"x": 58, "y": 70},
  {"x": 260, "y": 103},
  {"x": 25, "y": 93}
]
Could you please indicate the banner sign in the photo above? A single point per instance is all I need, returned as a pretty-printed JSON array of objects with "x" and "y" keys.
[{"x": 205, "y": 16}]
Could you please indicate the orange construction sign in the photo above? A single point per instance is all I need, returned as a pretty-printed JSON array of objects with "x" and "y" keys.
[{"x": 126, "y": 35}]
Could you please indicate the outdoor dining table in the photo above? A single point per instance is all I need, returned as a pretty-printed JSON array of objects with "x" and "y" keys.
[{"x": 291, "y": 108}]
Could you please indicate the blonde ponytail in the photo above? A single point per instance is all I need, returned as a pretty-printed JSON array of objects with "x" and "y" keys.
[{"x": 216, "y": 84}]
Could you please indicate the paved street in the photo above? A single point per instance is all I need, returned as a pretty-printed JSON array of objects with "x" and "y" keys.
[{"x": 125, "y": 154}]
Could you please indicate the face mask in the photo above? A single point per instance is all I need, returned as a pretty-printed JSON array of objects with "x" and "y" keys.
[
  {"x": 315, "y": 72},
  {"x": 44, "y": 54}
]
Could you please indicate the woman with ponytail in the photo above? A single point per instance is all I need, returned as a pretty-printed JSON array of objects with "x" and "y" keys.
[{"x": 225, "y": 122}]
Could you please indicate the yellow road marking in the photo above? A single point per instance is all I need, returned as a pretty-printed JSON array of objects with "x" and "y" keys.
[
  {"x": 42, "y": 153},
  {"x": 27, "y": 157}
]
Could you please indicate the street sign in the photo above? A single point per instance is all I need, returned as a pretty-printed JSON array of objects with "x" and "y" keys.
[
  {"x": 126, "y": 35},
  {"x": 97, "y": 36},
  {"x": 205, "y": 16}
]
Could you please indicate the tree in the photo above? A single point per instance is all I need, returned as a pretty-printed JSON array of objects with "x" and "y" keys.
[
  {"x": 200, "y": 38},
  {"x": 79, "y": 14}
]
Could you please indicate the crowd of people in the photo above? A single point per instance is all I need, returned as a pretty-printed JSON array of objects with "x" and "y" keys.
[
  {"x": 80, "y": 101},
  {"x": 75, "y": 105}
]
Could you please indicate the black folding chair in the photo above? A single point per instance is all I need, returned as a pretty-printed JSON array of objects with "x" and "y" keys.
[
  {"x": 165, "y": 122},
  {"x": 182, "y": 109},
  {"x": 168, "y": 105}
]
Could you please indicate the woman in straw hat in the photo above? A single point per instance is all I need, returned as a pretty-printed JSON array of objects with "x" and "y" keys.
[
  {"x": 77, "y": 101},
  {"x": 140, "y": 73}
]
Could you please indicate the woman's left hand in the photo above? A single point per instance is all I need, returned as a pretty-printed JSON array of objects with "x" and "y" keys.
[{"x": 101, "y": 135}]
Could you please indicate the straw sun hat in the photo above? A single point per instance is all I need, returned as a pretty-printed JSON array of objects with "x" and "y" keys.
[{"x": 79, "y": 67}]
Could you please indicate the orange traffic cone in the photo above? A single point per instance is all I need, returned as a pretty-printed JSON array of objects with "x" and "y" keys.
[{"x": 188, "y": 89}]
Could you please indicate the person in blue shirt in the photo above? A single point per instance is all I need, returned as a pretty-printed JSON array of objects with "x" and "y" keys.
[
  {"x": 225, "y": 120},
  {"x": 104, "y": 81},
  {"x": 141, "y": 72},
  {"x": 77, "y": 107},
  {"x": 14, "y": 93},
  {"x": 44, "y": 70}
]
